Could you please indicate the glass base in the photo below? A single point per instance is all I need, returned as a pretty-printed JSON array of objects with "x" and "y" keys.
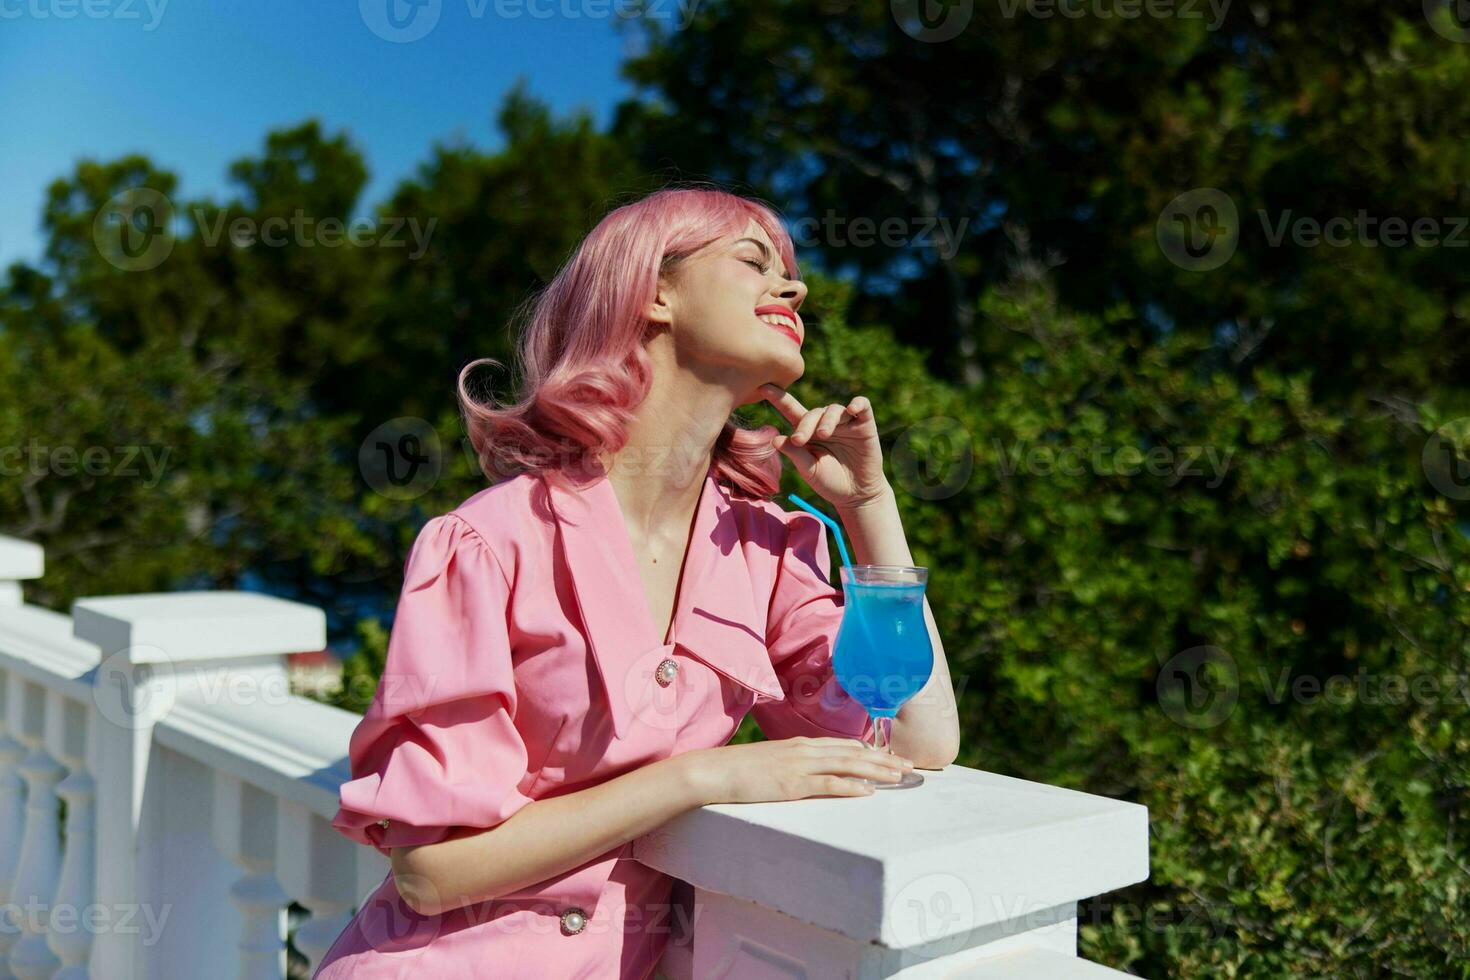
[{"x": 879, "y": 742}]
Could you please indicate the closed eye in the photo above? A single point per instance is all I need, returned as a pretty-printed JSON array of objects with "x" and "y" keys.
[{"x": 757, "y": 265}]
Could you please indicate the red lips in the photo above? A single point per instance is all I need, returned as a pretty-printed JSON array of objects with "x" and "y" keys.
[{"x": 782, "y": 311}]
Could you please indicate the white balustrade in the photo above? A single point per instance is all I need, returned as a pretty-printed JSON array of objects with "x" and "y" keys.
[
  {"x": 199, "y": 793},
  {"x": 963, "y": 876}
]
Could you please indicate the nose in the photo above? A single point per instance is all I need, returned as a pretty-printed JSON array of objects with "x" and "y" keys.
[{"x": 792, "y": 292}]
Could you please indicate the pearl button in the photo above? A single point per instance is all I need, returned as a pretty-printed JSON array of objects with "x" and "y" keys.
[
  {"x": 667, "y": 670},
  {"x": 573, "y": 921}
]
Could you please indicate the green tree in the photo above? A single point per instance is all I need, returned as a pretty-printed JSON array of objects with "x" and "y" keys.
[{"x": 1067, "y": 137}]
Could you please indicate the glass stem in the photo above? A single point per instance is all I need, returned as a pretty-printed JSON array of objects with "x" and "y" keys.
[{"x": 879, "y": 739}]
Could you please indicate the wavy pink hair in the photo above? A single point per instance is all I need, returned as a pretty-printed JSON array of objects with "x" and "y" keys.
[{"x": 583, "y": 366}]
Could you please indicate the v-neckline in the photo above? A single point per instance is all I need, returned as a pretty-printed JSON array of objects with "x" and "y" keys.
[{"x": 689, "y": 544}]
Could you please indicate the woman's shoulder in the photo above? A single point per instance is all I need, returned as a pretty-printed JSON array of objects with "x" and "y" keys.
[{"x": 506, "y": 516}]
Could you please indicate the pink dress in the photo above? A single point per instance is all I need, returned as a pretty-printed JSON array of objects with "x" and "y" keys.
[{"x": 524, "y": 663}]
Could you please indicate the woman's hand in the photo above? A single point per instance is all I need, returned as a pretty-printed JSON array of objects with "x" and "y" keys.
[
  {"x": 835, "y": 448},
  {"x": 788, "y": 769}
]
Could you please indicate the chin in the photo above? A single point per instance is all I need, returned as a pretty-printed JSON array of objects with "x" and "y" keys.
[{"x": 784, "y": 374}]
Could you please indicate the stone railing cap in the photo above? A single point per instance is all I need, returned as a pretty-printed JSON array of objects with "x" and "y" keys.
[
  {"x": 191, "y": 626},
  {"x": 967, "y": 849},
  {"x": 20, "y": 559}
]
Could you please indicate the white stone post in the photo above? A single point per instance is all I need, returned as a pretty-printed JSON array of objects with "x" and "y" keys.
[
  {"x": 972, "y": 874},
  {"x": 19, "y": 560},
  {"x": 155, "y": 649}
]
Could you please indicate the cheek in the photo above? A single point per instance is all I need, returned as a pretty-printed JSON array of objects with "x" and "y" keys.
[{"x": 717, "y": 328}]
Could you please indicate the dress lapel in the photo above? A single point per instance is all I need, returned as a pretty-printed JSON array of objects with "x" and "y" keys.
[{"x": 716, "y": 616}]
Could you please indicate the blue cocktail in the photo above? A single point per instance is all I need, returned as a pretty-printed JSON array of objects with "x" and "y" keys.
[{"x": 882, "y": 655}]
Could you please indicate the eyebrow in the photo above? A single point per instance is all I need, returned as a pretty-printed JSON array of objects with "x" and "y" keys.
[{"x": 765, "y": 252}]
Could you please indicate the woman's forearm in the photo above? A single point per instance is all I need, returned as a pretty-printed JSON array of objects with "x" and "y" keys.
[
  {"x": 546, "y": 837},
  {"x": 927, "y": 728}
]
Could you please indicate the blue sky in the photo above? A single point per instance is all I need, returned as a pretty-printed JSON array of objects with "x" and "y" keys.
[{"x": 197, "y": 85}]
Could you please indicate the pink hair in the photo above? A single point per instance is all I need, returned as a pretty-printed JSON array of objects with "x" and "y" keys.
[{"x": 582, "y": 362}]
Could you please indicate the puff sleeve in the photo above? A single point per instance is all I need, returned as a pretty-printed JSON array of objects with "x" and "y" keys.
[
  {"x": 437, "y": 754},
  {"x": 804, "y": 616}
]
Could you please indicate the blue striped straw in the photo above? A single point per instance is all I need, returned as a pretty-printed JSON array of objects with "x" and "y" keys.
[{"x": 836, "y": 531}]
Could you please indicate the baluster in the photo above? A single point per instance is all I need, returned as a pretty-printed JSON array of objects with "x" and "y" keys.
[
  {"x": 245, "y": 834},
  {"x": 73, "y": 942},
  {"x": 12, "y": 807},
  {"x": 40, "y": 861},
  {"x": 317, "y": 868}
]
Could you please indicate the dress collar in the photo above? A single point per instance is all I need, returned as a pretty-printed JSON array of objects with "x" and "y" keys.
[{"x": 717, "y": 617}]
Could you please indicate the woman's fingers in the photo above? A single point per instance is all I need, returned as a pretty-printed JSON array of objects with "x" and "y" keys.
[
  {"x": 804, "y": 429},
  {"x": 802, "y": 457},
  {"x": 838, "y": 786},
  {"x": 832, "y": 417},
  {"x": 785, "y": 403},
  {"x": 874, "y": 765}
]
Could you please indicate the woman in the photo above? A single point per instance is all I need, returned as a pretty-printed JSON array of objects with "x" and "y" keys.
[{"x": 575, "y": 644}]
